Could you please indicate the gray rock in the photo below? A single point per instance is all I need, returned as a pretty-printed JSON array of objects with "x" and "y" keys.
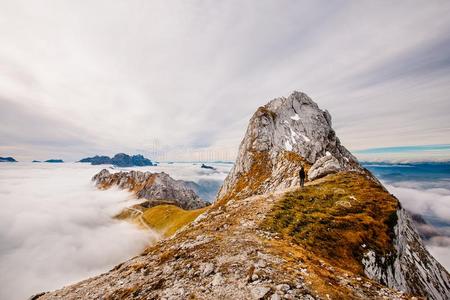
[
  {"x": 208, "y": 268},
  {"x": 283, "y": 287},
  {"x": 217, "y": 280},
  {"x": 258, "y": 292},
  {"x": 275, "y": 296},
  {"x": 288, "y": 132},
  {"x": 324, "y": 166},
  {"x": 414, "y": 270},
  {"x": 293, "y": 125},
  {"x": 158, "y": 188}
]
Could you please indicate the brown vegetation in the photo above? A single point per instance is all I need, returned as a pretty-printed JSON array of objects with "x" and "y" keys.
[{"x": 337, "y": 219}]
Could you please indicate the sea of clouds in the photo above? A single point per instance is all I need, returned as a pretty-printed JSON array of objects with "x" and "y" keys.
[{"x": 56, "y": 228}]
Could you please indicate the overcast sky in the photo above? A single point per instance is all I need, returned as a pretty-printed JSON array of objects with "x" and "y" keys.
[{"x": 79, "y": 78}]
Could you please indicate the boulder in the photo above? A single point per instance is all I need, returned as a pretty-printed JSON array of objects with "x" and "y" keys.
[{"x": 324, "y": 166}]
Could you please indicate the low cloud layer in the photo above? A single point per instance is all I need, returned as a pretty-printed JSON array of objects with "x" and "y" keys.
[
  {"x": 56, "y": 228},
  {"x": 434, "y": 205}
]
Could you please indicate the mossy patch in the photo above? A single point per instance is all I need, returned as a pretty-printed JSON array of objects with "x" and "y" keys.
[{"x": 316, "y": 219}]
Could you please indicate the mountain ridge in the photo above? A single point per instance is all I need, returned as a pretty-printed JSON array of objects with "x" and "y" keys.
[{"x": 266, "y": 238}]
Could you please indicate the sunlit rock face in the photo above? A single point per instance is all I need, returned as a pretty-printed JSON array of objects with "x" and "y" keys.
[
  {"x": 158, "y": 188},
  {"x": 281, "y": 136}
]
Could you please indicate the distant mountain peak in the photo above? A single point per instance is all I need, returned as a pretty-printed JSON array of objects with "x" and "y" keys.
[{"x": 119, "y": 160}]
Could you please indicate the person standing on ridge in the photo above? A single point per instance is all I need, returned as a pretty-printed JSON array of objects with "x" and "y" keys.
[{"x": 302, "y": 175}]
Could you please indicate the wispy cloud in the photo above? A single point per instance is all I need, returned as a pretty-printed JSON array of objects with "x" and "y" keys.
[
  {"x": 114, "y": 76},
  {"x": 406, "y": 153},
  {"x": 403, "y": 149}
]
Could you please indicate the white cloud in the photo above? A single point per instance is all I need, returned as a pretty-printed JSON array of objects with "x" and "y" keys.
[
  {"x": 56, "y": 228},
  {"x": 191, "y": 73},
  {"x": 433, "y": 204}
]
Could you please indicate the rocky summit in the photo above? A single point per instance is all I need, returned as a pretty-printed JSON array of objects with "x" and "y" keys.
[
  {"x": 342, "y": 236},
  {"x": 156, "y": 188},
  {"x": 283, "y": 135}
]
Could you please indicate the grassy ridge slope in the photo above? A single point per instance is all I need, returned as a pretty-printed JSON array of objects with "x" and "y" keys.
[
  {"x": 167, "y": 219},
  {"x": 337, "y": 219}
]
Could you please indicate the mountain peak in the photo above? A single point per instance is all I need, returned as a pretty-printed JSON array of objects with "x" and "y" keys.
[{"x": 283, "y": 135}]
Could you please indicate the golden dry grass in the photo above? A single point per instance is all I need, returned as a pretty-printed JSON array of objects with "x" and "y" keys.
[
  {"x": 335, "y": 218},
  {"x": 167, "y": 219}
]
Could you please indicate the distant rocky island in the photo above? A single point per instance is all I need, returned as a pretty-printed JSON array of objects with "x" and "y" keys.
[
  {"x": 7, "y": 159},
  {"x": 54, "y": 161},
  {"x": 36, "y": 161},
  {"x": 203, "y": 166},
  {"x": 119, "y": 160}
]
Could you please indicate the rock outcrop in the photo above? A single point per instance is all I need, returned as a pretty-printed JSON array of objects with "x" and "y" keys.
[
  {"x": 281, "y": 136},
  {"x": 343, "y": 236},
  {"x": 325, "y": 165},
  {"x": 156, "y": 188},
  {"x": 410, "y": 267}
]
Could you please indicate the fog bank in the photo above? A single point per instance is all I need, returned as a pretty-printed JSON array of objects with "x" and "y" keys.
[
  {"x": 433, "y": 204},
  {"x": 56, "y": 228}
]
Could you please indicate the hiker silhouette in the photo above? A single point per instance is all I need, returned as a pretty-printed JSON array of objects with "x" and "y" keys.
[{"x": 302, "y": 176}]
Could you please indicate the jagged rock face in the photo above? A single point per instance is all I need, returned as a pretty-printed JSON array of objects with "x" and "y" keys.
[
  {"x": 411, "y": 269},
  {"x": 281, "y": 136},
  {"x": 152, "y": 186}
]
